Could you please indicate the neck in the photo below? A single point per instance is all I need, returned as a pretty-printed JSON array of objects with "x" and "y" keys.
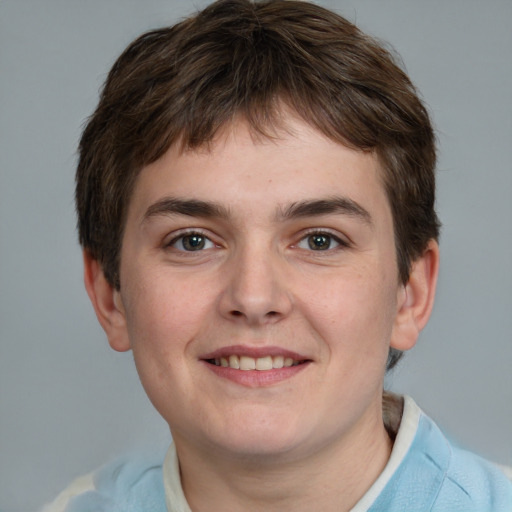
[{"x": 332, "y": 478}]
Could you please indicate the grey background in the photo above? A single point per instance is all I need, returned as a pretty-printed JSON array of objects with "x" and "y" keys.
[{"x": 67, "y": 402}]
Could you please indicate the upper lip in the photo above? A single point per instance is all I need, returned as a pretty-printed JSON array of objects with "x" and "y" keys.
[{"x": 255, "y": 352}]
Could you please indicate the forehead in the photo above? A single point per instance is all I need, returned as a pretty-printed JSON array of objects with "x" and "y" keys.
[{"x": 244, "y": 171}]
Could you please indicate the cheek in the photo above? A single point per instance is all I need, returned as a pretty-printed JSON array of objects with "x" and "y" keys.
[
  {"x": 354, "y": 313},
  {"x": 164, "y": 308},
  {"x": 161, "y": 323}
]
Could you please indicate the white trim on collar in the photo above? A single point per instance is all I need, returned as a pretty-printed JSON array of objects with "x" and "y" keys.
[
  {"x": 174, "y": 498},
  {"x": 403, "y": 441},
  {"x": 80, "y": 485}
]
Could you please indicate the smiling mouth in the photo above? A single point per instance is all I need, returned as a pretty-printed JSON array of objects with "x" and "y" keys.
[{"x": 265, "y": 363}]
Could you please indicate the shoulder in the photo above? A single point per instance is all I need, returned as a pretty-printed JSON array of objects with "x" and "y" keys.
[
  {"x": 79, "y": 486},
  {"x": 472, "y": 483},
  {"x": 128, "y": 484},
  {"x": 426, "y": 472},
  {"x": 507, "y": 471},
  {"x": 467, "y": 482}
]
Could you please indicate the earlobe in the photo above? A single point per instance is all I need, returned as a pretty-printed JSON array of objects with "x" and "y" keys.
[
  {"x": 107, "y": 304},
  {"x": 416, "y": 299}
]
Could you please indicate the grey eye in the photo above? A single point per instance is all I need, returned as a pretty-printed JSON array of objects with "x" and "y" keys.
[
  {"x": 192, "y": 242},
  {"x": 319, "y": 242}
]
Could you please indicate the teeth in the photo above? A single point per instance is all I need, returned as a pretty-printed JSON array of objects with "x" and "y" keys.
[
  {"x": 278, "y": 362},
  {"x": 234, "y": 362},
  {"x": 247, "y": 363},
  {"x": 251, "y": 363},
  {"x": 264, "y": 363}
]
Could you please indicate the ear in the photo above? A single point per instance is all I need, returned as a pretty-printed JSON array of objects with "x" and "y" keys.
[
  {"x": 416, "y": 299},
  {"x": 107, "y": 304}
]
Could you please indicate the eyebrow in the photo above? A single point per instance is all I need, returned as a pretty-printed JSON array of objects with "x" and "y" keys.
[
  {"x": 190, "y": 207},
  {"x": 306, "y": 208},
  {"x": 330, "y": 205}
]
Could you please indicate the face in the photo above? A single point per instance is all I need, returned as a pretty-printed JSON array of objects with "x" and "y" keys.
[{"x": 260, "y": 291}]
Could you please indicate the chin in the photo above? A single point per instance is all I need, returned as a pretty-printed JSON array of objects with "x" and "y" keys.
[
  {"x": 262, "y": 438},
  {"x": 265, "y": 448}
]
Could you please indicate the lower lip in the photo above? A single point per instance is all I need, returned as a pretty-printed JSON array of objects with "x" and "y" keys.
[{"x": 257, "y": 378}]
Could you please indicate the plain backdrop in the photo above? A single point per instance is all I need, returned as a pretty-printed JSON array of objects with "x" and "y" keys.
[{"x": 67, "y": 402}]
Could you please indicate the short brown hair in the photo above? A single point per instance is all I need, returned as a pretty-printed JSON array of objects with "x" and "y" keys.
[{"x": 180, "y": 84}]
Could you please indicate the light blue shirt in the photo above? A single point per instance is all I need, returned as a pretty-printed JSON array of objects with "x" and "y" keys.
[{"x": 435, "y": 476}]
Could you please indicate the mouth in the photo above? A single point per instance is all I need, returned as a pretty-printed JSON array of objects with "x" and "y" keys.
[
  {"x": 255, "y": 367},
  {"x": 246, "y": 363}
]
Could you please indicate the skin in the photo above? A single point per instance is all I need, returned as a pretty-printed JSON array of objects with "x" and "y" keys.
[{"x": 309, "y": 437}]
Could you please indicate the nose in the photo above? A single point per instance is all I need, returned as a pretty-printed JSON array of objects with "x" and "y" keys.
[{"x": 256, "y": 291}]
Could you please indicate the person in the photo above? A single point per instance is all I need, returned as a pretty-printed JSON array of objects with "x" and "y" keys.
[{"x": 256, "y": 206}]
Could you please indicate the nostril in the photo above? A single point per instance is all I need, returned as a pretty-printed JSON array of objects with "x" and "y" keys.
[{"x": 270, "y": 314}]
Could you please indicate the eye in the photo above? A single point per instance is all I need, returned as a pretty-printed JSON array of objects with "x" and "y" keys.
[
  {"x": 191, "y": 242},
  {"x": 319, "y": 242}
]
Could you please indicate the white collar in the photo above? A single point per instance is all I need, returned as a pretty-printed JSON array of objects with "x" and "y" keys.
[
  {"x": 174, "y": 496},
  {"x": 404, "y": 438}
]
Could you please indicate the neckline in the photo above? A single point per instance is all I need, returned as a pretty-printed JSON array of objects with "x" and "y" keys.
[{"x": 401, "y": 416}]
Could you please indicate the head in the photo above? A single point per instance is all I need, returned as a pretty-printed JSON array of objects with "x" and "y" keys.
[{"x": 179, "y": 86}]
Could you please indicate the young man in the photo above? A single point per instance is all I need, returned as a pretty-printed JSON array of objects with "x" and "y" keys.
[{"x": 256, "y": 198}]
